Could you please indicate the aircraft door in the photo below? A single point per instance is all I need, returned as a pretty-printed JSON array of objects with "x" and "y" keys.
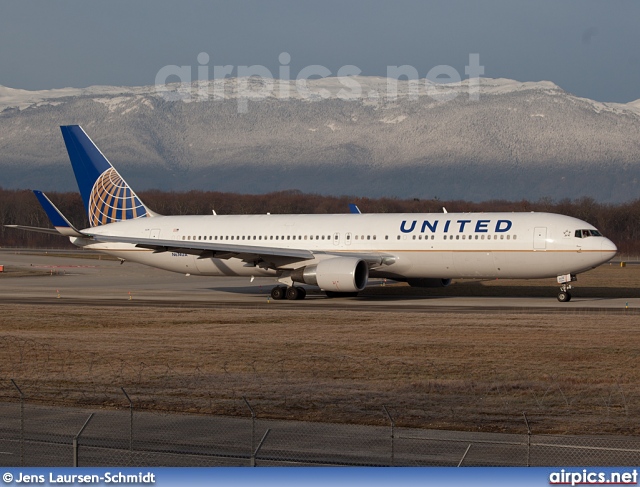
[
  {"x": 540, "y": 238},
  {"x": 336, "y": 239},
  {"x": 154, "y": 233},
  {"x": 347, "y": 239}
]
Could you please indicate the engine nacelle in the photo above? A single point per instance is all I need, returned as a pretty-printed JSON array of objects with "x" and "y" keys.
[
  {"x": 340, "y": 274},
  {"x": 428, "y": 282}
]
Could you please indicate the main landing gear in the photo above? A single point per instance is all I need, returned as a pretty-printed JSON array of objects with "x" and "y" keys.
[{"x": 291, "y": 292}]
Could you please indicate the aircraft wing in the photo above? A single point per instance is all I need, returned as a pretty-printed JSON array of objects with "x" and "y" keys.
[
  {"x": 273, "y": 257},
  {"x": 205, "y": 250}
]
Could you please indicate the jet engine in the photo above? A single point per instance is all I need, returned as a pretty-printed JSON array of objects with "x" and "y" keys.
[
  {"x": 428, "y": 282},
  {"x": 339, "y": 274}
]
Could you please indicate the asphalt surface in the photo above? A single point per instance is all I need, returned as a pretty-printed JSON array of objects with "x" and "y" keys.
[
  {"x": 161, "y": 439},
  {"x": 196, "y": 440},
  {"x": 53, "y": 277}
]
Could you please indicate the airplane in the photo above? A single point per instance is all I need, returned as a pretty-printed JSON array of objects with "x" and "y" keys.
[{"x": 337, "y": 253}]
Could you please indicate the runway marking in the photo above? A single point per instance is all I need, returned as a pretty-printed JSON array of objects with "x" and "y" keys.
[
  {"x": 63, "y": 266},
  {"x": 319, "y": 302}
]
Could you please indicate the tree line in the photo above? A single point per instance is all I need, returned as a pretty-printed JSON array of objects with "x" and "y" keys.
[{"x": 620, "y": 222}]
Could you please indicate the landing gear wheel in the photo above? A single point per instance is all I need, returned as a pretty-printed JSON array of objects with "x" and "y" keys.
[
  {"x": 278, "y": 292},
  {"x": 292, "y": 293},
  {"x": 302, "y": 292},
  {"x": 564, "y": 296}
]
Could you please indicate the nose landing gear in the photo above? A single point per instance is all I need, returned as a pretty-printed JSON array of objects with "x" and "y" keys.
[{"x": 564, "y": 296}]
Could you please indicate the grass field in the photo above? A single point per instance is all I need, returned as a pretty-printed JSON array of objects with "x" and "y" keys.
[{"x": 571, "y": 373}]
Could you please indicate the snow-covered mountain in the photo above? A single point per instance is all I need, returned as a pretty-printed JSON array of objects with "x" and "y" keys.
[{"x": 338, "y": 136}]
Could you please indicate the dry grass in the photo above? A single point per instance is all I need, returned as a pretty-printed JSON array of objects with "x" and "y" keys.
[{"x": 476, "y": 371}]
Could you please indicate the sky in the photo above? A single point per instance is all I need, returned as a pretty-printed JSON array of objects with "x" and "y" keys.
[{"x": 588, "y": 47}]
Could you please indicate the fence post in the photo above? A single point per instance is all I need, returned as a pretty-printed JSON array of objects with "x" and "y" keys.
[
  {"x": 526, "y": 421},
  {"x": 255, "y": 453},
  {"x": 21, "y": 422},
  {"x": 130, "y": 418},
  {"x": 393, "y": 453},
  {"x": 253, "y": 424},
  {"x": 464, "y": 456},
  {"x": 76, "y": 438}
]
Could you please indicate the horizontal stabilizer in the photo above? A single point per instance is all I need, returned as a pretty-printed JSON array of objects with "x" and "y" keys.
[
  {"x": 58, "y": 220},
  {"x": 50, "y": 231}
]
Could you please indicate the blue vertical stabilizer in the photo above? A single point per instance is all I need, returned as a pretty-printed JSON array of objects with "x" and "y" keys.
[{"x": 107, "y": 197}]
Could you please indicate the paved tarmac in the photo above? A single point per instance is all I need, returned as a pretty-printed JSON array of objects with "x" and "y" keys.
[
  {"x": 54, "y": 276},
  {"x": 89, "y": 281},
  {"x": 113, "y": 437}
]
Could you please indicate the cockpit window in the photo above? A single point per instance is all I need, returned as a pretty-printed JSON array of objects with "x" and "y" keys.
[{"x": 587, "y": 233}]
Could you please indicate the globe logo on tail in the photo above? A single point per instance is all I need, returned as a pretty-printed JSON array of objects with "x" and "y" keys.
[{"x": 112, "y": 200}]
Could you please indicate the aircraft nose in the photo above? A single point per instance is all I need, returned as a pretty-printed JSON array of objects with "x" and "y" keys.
[{"x": 608, "y": 249}]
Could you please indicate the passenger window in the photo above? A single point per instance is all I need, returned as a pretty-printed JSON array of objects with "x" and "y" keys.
[
  {"x": 398, "y": 237},
  {"x": 515, "y": 236},
  {"x": 386, "y": 237},
  {"x": 501, "y": 237}
]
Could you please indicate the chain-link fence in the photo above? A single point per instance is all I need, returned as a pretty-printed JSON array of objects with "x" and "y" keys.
[{"x": 36, "y": 434}]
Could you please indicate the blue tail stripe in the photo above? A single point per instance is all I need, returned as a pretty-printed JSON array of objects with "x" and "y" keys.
[{"x": 87, "y": 161}]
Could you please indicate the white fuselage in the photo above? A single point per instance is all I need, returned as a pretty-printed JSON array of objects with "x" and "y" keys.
[{"x": 423, "y": 245}]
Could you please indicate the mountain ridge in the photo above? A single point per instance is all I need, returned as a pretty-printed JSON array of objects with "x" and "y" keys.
[{"x": 518, "y": 140}]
